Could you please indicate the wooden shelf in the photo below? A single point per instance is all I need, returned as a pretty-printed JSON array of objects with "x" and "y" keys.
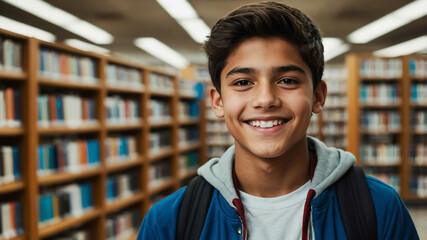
[
  {"x": 189, "y": 122},
  {"x": 160, "y": 124},
  {"x": 374, "y": 132},
  {"x": 68, "y": 130},
  {"x": 11, "y": 187},
  {"x": 13, "y": 131},
  {"x": 380, "y": 105},
  {"x": 420, "y": 105},
  {"x": 189, "y": 147},
  {"x": 13, "y": 76},
  {"x": 187, "y": 97},
  {"x": 161, "y": 154},
  {"x": 64, "y": 177},
  {"x": 131, "y": 90},
  {"x": 163, "y": 186},
  {"x": 379, "y": 79},
  {"x": 124, "y": 127},
  {"x": 65, "y": 224},
  {"x": 364, "y": 164},
  {"x": 118, "y": 166},
  {"x": 123, "y": 203},
  {"x": 20, "y": 237},
  {"x": 188, "y": 173},
  {"x": 155, "y": 93},
  {"x": 43, "y": 81},
  {"x": 419, "y": 132}
]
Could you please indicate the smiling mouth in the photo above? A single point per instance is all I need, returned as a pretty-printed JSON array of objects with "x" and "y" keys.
[{"x": 267, "y": 123}]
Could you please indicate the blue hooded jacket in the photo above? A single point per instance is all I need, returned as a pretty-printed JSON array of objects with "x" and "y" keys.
[{"x": 225, "y": 218}]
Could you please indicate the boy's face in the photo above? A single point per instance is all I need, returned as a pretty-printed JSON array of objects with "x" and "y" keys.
[{"x": 267, "y": 97}]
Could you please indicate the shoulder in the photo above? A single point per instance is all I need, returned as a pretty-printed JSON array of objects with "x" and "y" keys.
[
  {"x": 160, "y": 220},
  {"x": 393, "y": 219}
]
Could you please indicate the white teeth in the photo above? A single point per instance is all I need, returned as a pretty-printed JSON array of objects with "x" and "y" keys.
[{"x": 265, "y": 124}]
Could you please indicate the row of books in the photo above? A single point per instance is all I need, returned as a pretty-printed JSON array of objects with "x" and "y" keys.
[
  {"x": 10, "y": 55},
  {"x": 10, "y": 220},
  {"x": 9, "y": 164},
  {"x": 188, "y": 136},
  {"x": 418, "y": 185},
  {"x": 159, "y": 140},
  {"x": 122, "y": 111},
  {"x": 64, "y": 155},
  {"x": 419, "y": 93},
  {"x": 122, "y": 225},
  {"x": 335, "y": 73},
  {"x": 161, "y": 83},
  {"x": 418, "y": 67},
  {"x": 336, "y": 101},
  {"x": 10, "y": 107},
  {"x": 334, "y": 115},
  {"x": 220, "y": 138},
  {"x": 216, "y": 126},
  {"x": 388, "y": 176},
  {"x": 381, "y": 93},
  {"x": 188, "y": 161},
  {"x": 121, "y": 148},
  {"x": 337, "y": 87},
  {"x": 188, "y": 110},
  {"x": 78, "y": 233},
  {"x": 380, "y": 120},
  {"x": 381, "y": 68},
  {"x": 313, "y": 127},
  {"x": 71, "y": 200},
  {"x": 122, "y": 185},
  {"x": 159, "y": 110},
  {"x": 187, "y": 88},
  {"x": 121, "y": 76},
  {"x": 334, "y": 128},
  {"x": 336, "y": 141},
  {"x": 418, "y": 150},
  {"x": 216, "y": 151},
  {"x": 419, "y": 120},
  {"x": 65, "y": 66},
  {"x": 69, "y": 110},
  {"x": 380, "y": 153},
  {"x": 159, "y": 171}
]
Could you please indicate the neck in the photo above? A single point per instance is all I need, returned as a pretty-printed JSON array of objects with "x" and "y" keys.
[{"x": 273, "y": 177}]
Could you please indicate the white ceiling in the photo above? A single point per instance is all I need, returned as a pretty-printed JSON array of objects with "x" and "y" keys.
[{"x": 130, "y": 19}]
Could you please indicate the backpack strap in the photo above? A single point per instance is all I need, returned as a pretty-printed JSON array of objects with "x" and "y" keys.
[
  {"x": 356, "y": 206},
  {"x": 194, "y": 208}
]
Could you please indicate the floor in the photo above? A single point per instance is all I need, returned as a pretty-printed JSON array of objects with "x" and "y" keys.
[{"x": 419, "y": 216}]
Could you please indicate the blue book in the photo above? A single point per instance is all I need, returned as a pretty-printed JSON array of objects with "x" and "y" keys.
[
  {"x": 59, "y": 108},
  {"x": 17, "y": 104},
  {"x": 42, "y": 54},
  {"x": 414, "y": 93},
  {"x": 49, "y": 207},
  {"x": 412, "y": 67},
  {"x": 39, "y": 108},
  {"x": 86, "y": 195},
  {"x": 18, "y": 218},
  {"x": 93, "y": 151},
  {"x": 16, "y": 167},
  {"x": 41, "y": 157},
  {"x": 126, "y": 146},
  {"x": 110, "y": 188},
  {"x": 41, "y": 213},
  {"x": 194, "y": 109},
  {"x": 50, "y": 159}
]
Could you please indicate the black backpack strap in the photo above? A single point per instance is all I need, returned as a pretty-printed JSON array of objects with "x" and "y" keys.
[
  {"x": 356, "y": 206},
  {"x": 194, "y": 208}
]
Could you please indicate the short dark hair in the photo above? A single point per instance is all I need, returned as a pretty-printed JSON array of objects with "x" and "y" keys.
[{"x": 267, "y": 19}]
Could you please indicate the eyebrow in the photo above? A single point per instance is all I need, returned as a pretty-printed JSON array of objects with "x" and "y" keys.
[{"x": 276, "y": 70}]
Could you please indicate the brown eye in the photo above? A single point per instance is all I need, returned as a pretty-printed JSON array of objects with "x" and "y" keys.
[
  {"x": 242, "y": 83},
  {"x": 287, "y": 81}
]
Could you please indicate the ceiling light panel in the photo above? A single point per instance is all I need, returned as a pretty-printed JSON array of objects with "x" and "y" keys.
[
  {"x": 26, "y": 30},
  {"x": 415, "y": 45},
  {"x": 402, "y": 16},
  {"x": 162, "y": 52},
  {"x": 63, "y": 19}
]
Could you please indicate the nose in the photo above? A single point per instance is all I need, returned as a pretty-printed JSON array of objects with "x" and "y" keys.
[{"x": 265, "y": 97}]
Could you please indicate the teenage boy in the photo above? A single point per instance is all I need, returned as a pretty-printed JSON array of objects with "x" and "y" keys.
[{"x": 266, "y": 64}]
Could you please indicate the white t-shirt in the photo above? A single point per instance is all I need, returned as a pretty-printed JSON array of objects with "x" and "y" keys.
[{"x": 275, "y": 218}]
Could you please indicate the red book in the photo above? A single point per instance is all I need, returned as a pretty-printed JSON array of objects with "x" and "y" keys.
[
  {"x": 52, "y": 109},
  {"x": 10, "y": 106},
  {"x": 83, "y": 153},
  {"x": 12, "y": 216}
]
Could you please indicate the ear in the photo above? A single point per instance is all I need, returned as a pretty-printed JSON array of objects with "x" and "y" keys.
[
  {"x": 319, "y": 97},
  {"x": 216, "y": 102}
]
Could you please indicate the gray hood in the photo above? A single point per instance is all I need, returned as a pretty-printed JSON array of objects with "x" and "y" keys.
[{"x": 332, "y": 163}]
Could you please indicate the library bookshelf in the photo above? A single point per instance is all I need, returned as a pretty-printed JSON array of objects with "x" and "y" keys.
[
  {"x": 386, "y": 118},
  {"x": 89, "y": 141}
]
